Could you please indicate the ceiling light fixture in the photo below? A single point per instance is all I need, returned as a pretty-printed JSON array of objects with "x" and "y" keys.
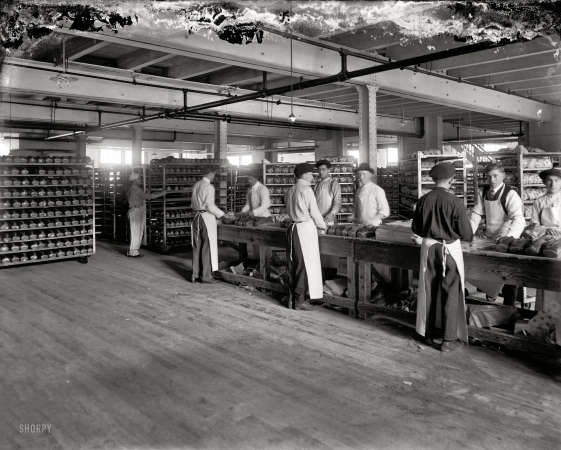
[
  {"x": 403, "y": 121},
  {"x": 63, "y": 77},
  {"x": 292, "y": 117}
]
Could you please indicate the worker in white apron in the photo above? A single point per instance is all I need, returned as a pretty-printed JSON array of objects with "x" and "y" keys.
[
  {"x": 546, "y": 211},
  {"x": 503, "y": 210},
  {"x": 328, "y": 196},
  {"x": 302, "y": 248},
  {"x": 137, "y": 213},
  {"x": 257, "y": 202},
  {"x": 441, "y": 220},
  {"x": 203, "y": 228}
]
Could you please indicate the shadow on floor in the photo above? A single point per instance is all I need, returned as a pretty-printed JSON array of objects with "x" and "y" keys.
[{"x": 179, "y": 268}]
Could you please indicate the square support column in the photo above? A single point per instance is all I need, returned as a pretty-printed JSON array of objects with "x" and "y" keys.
[
  {"x": 136, "y": 145},
  {"x": 434, "y": 132},
  {"x": 220, "y": 139},
  {"x": 81, "y": 146},
  {"x": 367, "y": 126}
]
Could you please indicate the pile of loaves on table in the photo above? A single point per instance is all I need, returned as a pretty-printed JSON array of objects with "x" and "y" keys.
[{"x": 532, "y": 242}]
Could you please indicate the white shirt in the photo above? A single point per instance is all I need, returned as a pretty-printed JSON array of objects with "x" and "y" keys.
[
  {"x": 258, "y": 201},
  {"x": 371, "y": 205},
  {"x": 328, "y": 196},
  {"x": 547, "y": 201},
  {"x": 301, "y": 205},
  {"x": 514, "y": 206},
  {"x": 203, "y": 198}
]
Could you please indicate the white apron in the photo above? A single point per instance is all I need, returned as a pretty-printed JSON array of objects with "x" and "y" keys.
[
  {"x": 210, "y": 222},
  {"x": 498, "y": 224},
  {"x": 308, "y": 235},
  {"x": 454, "y": 250},
  {"x": 549, "y": 301},
  {"x": 324, "y": 198}
]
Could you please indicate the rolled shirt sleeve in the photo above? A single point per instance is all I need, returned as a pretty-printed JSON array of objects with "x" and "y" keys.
[
  {"x": 515, "y": 208},
  {"x": 383, "y": 205},
  {"x": 265, "y": 201},
  {"x": 477, "y": 212},
  {"x": 536, "y": 211},
  {"x": 312, "y": 205},
  {"x": 337, "y": 202}
]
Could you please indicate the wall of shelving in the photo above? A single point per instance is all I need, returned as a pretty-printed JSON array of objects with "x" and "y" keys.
[
  {"x": 46, "y": 209},
  {"x": 279, "y": 177},
  {"x": 414, "y": 180},
  {"x": 169, "y": 218},
  {"x": 388, "y": 181},
  {"x": 521, "y": 172}
]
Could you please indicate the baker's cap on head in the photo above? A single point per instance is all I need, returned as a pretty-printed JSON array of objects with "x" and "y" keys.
[
  {"x": 550, "y": 172},
  {"x": 442, "y": 171},
  {"x": 134, "y": 176},
  {"x": 364, "y": 166},
  {"x": 303, "y": 168},
  {"x": 324, "y": 162}
]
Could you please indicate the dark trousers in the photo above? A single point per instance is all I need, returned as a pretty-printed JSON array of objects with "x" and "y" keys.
[
  {"x": 202, "y": 266},
  {"x": 297, "y": 275},
  {"x": 443, "y": 294},
  {"x": 510, "y": 292}
]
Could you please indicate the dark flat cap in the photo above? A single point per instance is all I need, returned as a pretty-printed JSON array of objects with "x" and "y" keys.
[
  {"x": 254, "y": 174},
  {"x": 364, "y": 166},
  {"x": 324, "y": 162},
  {"x": 546, "y": 173},
  {"x": 303, "y": 168},
  {"x": 442, "y": 171}
]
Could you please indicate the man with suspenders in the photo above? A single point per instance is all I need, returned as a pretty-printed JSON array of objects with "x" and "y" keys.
[{"x": 503, "y": 210}]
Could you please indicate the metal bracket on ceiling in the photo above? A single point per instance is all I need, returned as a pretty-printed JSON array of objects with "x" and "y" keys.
[
  {"x": 344, "y": 74},
  {"x": 264, "y": 90},
  {"x": 185, "y": 91}
]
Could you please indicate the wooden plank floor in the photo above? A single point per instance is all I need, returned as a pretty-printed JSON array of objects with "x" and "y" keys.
[{"x": 124, "y": 353}]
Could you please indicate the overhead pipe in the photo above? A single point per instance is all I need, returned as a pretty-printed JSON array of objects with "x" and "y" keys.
[{"x": 264, "y": 92}]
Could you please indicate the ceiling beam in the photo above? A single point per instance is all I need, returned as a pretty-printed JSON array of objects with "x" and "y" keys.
[
  {"x": 531, "y": 84},
  {"x": 273, "y": 55},
  {"x": 535, "y": 47},
  {"x": 26, "y": 76},
  {"x": 515, "y": 77},
  {"x": 79, "y": 47},
  {"x": 142, "y": 58},
  {"x": 234, "y": 75},
  {"x": 505, "y": 67},
  {"x": 324, "y": 95},
  {"x": 194, "y": 68}
]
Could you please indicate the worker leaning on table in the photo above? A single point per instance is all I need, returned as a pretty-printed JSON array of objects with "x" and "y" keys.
[
  {"x": 371, "y": 204},
  {"x": 257, "y": 202},
  {"x": 203, "y": 227},
  {"x": 302, "y": 247},
  {"x": 441, "y": 220},
  {"x": 503, "y": 210},
  {"x": 546, "y": 211},
  {"x": 137, "y": 213}
]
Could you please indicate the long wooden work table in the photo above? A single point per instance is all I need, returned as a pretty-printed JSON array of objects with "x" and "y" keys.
[{"x": 528, "y": 271}]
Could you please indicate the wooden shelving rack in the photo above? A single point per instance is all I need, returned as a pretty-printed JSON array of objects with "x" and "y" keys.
[
  {"x": 388, "y": 181},
  {"x": 169, "y": 218},
  {"x": 279, "y": 177},
  {"x": 46, "y": 209},
  {"x": 522, "y": 172},
  {"x": 414, "y": 180}
]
